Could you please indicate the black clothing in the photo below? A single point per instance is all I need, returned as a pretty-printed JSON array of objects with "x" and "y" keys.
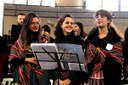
[
  {"x": 111, "y": 68},
  {"x": 125, "y": 54},
  {"x": 75, "y": 76}
]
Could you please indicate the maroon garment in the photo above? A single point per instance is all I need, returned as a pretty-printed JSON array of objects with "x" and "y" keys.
[
  {"x": 3, "y": 65},
  {"x": 3, "y": 58}
]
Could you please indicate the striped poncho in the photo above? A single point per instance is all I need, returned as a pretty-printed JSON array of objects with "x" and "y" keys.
[
  {"x": 100, "y": 55},
  {"x": 24, "y": 73}
]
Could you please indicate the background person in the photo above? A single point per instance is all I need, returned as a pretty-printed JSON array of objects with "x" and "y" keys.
[
  {"x": 125, "y": 54},
  {"x": 79, "y": 31},
  {"x": 20, "y": 18},
  {"x": 3, "y": 59},
  {"x": 16, "y": 28},
  {"x": 45, "y": 35}
]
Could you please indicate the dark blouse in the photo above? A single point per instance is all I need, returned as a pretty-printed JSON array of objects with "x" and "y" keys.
[
  {"x": 111, "y": 38},
  {"x": 3, "y": 59},
  {"x": 76, "y": 77},
  {"x": 125, "y": 54}
]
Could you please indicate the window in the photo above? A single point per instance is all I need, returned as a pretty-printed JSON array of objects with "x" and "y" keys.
[
  {"x": 124, "y": 5},
  {"x": 90, "y": 5},
  {"x": 46, "y": 3},
  {"x": 8, "y": 1},
  {"x": 20, "y": 2},
  {"x": 34, "y": 2},
  {"x": 111, "y": 5}
]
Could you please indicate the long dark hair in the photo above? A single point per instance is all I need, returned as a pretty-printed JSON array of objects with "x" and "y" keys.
[
  {"x": 82, "y": 33},
  {"x": 58, "y": 30},
  {"x": 26, "y": 32},
  {"x": 126, "y": 36}
]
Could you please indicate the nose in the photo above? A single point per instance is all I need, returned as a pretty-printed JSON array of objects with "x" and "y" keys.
[{"x": 99, "y": 17}]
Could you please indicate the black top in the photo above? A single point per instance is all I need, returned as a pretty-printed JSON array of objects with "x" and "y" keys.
[
  {"x": 70, "y": 39},
  {"x": 15, "y": 32},
  {"x": 75, "y": 76},
  {"x": 111, "y": 38}
]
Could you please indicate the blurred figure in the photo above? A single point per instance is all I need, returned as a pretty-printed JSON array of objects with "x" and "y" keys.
[
  {"x": 104, "y": 52},
  {"x": 16, "y": 28},
  {"x": 45, "y": 35},
  {"x": 20, "y": 18},
  {"x": 3, "y": 59},
  {"x": 26, "y": 70},
  {"x": 125, "y": 54},
  {"x": 79, "y": 31}
]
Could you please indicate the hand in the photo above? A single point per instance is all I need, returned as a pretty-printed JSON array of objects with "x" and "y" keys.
[
  {"x": 67, "y": 81},
  {"x": 45, "y": 39},
  {"x": 31, "y": 60},
  {"x": 112, "y": 24},
  {"x": 61, "y": 82}
]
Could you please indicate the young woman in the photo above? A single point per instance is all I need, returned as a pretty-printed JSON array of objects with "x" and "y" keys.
[
  {"x": 24, "y": 63},
  {"x": 45, "y": 35},
  {"x": 104, "y": 52},
  {"x": 64, "y": 34},
  {"x": 79, "y": 30}
]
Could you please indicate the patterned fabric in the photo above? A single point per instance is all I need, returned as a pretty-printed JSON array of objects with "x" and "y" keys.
[
  {"x": 24, "y": 71},
  {"x": 98, "y": 75},
  {"x": 100, "y": 55},
  {"x": 3, "y": 65},
  {"x": 64, "y": 75},
  {"x": 96, "y": 82}
]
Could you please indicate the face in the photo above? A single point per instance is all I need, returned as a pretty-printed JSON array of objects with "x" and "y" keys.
[
  {"x": 67, "y": 25},
  {"x": 101, "y": 21},
  {"x": 77, "y": 29},
  {"x": 20, "y": 19},
  {"x": 34, "y": 27}
]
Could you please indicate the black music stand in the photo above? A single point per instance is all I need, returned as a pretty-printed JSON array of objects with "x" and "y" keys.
[{"x": 59, "y": 56}]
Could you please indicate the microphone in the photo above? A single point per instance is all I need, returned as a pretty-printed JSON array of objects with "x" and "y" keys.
[
  {"x": 75, "y": 33},
  {"x": 42, "y": 35}
]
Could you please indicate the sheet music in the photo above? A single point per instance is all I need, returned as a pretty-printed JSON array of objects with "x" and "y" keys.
[
  {"x": 71, "y": 56},
  {"x": 41, "y": 53}
]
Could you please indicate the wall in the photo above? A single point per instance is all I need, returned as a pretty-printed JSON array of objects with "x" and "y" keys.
[
  {"x": 52, "y": 14},
  {"x": 88, "y": 23}
]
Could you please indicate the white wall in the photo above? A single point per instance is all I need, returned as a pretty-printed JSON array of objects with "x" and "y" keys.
[{"x": 1, "y": 17}]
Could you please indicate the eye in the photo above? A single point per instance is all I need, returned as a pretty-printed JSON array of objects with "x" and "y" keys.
[
  {"x": 66, "y": 22},
  {"x": 35, "y": 22},
  {"x": 69, "y": 23}
]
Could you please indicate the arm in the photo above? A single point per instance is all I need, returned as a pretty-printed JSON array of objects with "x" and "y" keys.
[
  {"x": 17, "y": 58},
  {"x": 118, "y": 32}
]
